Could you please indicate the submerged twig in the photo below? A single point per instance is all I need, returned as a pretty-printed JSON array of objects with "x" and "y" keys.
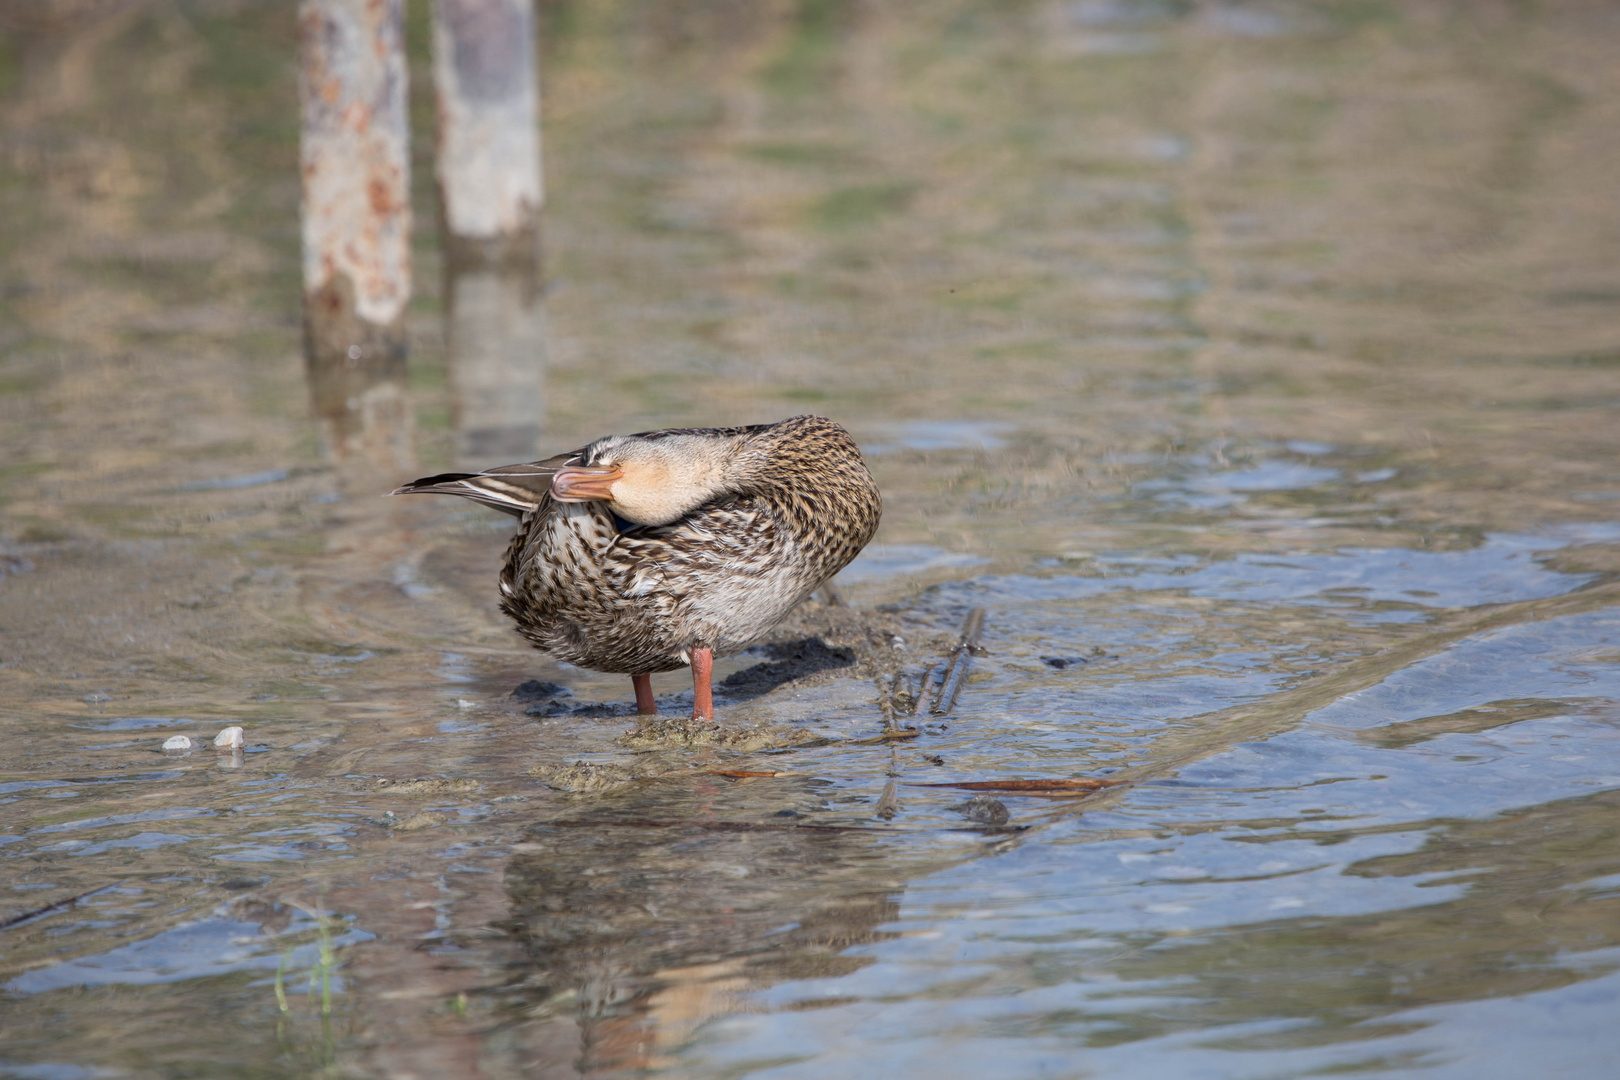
[
  {"x": 713, "y": 826},
  {"x": 887, "y": 736},
  {"x": 925, "y": 686},
  {"x": 886, "y": 692},
  {"x": 59, "y": 905},
  {"x": 888, "y": 803},
  {"x": 1032, "y": 787},
  {"x": 749, "y": 826},
  {"x": 940, "y": 683},
  {"x": 966, "y": 646}
]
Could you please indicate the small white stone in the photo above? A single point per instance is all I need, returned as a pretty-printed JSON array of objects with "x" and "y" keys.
[
  {"x": 229, "y": 739},
  {"x": 177, "y": 742},
  {"x": 463, "y": 703}
]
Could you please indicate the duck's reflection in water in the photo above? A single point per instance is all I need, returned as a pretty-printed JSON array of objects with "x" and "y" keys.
[{"x": 646, "y": 931}]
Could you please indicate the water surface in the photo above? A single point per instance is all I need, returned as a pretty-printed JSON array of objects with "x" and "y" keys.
[{"x": 1254, "y": 367}]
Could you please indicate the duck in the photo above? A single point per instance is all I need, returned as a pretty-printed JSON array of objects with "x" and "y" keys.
[{"x": 645, "y": 553}]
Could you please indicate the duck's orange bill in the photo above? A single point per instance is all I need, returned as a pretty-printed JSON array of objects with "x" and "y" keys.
[{"x": 578, "y": 483}]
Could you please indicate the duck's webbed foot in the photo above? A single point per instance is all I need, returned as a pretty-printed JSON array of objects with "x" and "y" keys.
[
  {"x": 644, "y": 697},
  {"x": 702, "y": 698}
]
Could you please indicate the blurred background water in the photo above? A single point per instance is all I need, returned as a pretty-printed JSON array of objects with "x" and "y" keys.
[{"x": 1254, "y": 365}]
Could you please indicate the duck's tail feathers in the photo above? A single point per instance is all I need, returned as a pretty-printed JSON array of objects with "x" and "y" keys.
[{"x": 512, "y": 489}]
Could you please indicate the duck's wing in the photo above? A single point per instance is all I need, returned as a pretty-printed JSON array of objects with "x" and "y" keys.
[{"x": 511, "y": 489}]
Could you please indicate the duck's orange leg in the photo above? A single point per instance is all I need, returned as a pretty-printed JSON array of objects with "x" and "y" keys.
[
  {"x": 702, "y": 698},
  {"x": 644, "y": 698}
]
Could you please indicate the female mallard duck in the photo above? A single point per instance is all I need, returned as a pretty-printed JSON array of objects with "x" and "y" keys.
[{"x": 644, "y": 553}]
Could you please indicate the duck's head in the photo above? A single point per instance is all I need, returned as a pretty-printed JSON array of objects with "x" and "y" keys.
[{"x": 649, "y": 481}]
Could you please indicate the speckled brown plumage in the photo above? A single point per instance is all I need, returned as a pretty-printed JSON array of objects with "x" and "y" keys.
[{"x": 786, "y": 507}]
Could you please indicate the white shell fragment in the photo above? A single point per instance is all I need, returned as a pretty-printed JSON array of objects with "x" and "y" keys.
[
  {"x": 177, "y": 742},
  {"x": 229, "y": 739}
]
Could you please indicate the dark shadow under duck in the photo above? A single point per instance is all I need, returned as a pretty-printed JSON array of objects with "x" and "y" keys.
[{"x": 648, "y": 552}]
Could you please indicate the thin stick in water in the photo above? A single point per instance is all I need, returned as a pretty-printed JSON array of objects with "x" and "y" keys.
[
  {"x": 966, "y": 645},
  {"x": 55, "y": 906},
  {"x": 924, "y": 686}
]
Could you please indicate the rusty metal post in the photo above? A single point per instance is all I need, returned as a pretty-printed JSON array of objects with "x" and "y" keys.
[{"x": 354, "y": 155}]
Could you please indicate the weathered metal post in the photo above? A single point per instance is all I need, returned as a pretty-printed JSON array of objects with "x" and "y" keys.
[
  {"x": 354, "y": 154},
  {"x": 489, "y": 132},
  {"x": 490, "y": 197}
]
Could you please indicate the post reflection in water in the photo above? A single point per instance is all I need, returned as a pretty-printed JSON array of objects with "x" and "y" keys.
[
  {"x": 494, "y": 330},
  {"x": 360, "y": 402},
  {"x": 643, "y": 932}
]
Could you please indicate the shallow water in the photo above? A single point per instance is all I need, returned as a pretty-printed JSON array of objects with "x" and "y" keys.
[{"x": 1254, "y": 367}]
